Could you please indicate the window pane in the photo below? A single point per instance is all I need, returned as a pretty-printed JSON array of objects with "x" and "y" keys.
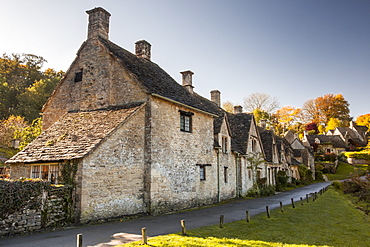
[
  {"x": 187, "y": 123},
  {"x": 45, "y": 172},
  {"x": 35, "y": 172},
  {"x": 54, "y": 173},
  {"x": 202, "y": 173}
]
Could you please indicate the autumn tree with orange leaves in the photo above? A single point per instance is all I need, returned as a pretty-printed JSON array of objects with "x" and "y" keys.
[{"x": 323, "y": 108}]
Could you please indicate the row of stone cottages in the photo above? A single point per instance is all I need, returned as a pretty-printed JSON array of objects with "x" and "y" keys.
[{"x": 141, "y": 142}]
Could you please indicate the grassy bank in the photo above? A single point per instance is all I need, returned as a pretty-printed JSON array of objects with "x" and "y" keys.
[
  {"x": 345, "y": 170},
  {"x": 329, "y": 221}
]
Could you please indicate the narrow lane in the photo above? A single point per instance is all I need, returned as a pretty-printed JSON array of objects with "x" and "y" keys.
[{"x": 114, "y": 233}]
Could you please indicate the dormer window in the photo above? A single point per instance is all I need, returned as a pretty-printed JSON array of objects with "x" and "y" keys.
[
  {"x": 78, "y": 76},
  {"x": 186, "y": 121}
]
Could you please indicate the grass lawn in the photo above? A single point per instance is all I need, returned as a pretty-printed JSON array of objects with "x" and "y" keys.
[
  {"x": 329, "y": 221},
  {"x": 344, "y": 171}
]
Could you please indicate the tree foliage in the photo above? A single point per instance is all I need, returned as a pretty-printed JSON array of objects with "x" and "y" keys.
[
  {"x": 363, "y": 120},
  {"x": 228, "y": 106},
  {"x": 29, "y": 133},
  {"x": 8, "y": 129},
  {"x": 287, "y": 116},
  {"x": 333, "y": 123},
  {"x": 24, "y": 87},
  {"x": 323, "y": 108},
  {"x": 261, "y": 101}
]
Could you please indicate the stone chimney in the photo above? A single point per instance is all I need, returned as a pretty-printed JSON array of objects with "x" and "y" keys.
[
  {"x": 238, "y": 109},
  {"x": 98, "y": 23},
  {"x": 187, "y": 80},
  {"x": 216, "y": 97},
  {"x": 142, "y": 49},
  {"x": 263, "y": 123}
]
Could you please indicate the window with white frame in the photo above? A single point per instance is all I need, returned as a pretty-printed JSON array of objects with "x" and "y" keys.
[{"x": 47, "y": 172}]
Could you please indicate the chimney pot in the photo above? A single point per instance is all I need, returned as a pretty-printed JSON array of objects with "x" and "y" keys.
[
  {"x": 98, "y": 23},
  {"x": 216, "y": 97},
  {"x": 263, "y": 123},
  {"x": 238, "y": 109},
  {"x": 143, "y": 49},
  {"x": 187, "y": 80}
]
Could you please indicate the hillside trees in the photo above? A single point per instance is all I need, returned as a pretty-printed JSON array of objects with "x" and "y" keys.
[{"x": 24, "y": 87}]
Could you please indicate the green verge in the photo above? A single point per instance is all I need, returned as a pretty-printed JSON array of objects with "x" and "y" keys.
[
  {"x": 345, "y": 170},
  {"x": 330, "y": 220}
]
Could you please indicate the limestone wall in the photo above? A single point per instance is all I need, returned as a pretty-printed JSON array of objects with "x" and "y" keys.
[
  {"x": 176, "y": 155},
  {"x": 112, "y": 179},
  {"x": 104, "y": 83}
]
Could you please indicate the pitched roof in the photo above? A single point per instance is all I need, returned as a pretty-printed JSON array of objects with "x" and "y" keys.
[
  {"x": 240, "y": 127},
  {"x": 335, "y": 140},
  {"x": 75, "y": 135},
  {"x": 157, "y": 81},
  {"x": 267, "y": 139},
  {"x": 349, "y": 133}
]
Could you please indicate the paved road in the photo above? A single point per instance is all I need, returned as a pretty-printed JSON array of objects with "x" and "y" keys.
[{"x": 115, "y": 233}]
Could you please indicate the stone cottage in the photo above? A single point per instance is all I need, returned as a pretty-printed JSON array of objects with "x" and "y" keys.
[{"x": 141, "y": 142}]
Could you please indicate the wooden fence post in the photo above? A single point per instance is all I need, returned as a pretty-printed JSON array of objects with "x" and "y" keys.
[
  {"x": 268, "y": 212},
  {"x": 281, "y": 207},
  {"x": 144, "y": 237},
  {"x": 301, "y": 201},
  {"x": 183, "y": 227},
  {"x": 79, "y": 240},
  {"x": 221, "y": 221},
  {"x": 293, "y": 203},
  {"x": 307, "y": 199},
  {"x": 247, "y": 217}
]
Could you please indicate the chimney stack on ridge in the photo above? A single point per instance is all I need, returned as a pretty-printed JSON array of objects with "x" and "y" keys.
[
  {"x": 98, "y": 23},
  {"x": 216, "y": 97},
  {"x": 187, "y": 80},
  {"x": 238, "y": 109},
  {"x": 142, "y": 49}
]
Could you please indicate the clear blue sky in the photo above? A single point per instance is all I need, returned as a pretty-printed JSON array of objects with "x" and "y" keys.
[{"x": 289, "y": 49}]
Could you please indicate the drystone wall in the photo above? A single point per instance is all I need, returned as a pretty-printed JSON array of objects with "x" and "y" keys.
[{"x": 51, "y": 212}]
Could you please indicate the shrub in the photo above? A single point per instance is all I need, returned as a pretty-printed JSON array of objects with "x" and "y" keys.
[
  {"x": 329, "y": 157},
  {"x": 281, "y": 181},
  {"x": 337, "y": 185},
  {"x": 319, "y": 175},
  {"x": 267, "y": 191}
]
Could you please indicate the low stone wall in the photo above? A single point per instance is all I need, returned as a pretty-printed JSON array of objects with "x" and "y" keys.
[
  {"x": 354, "y": 161},
  {"x": 50, "y": 213}
]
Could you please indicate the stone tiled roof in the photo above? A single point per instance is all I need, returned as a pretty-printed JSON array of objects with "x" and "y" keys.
[
  {"x": 156, "y": 81},
  {"x": 240, "y": 127},
  {"x": 350, "y": 134},
  {"x": 335, "y": 140},
  {"x": 267, "y": 138},
  {"x": 75, "y": 135}
]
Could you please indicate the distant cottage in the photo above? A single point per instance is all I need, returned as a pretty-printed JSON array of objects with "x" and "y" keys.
[{"x": 141, "y": 142}]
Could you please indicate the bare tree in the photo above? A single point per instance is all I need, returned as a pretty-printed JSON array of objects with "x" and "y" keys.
[{"x": 261, "y": 101}]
